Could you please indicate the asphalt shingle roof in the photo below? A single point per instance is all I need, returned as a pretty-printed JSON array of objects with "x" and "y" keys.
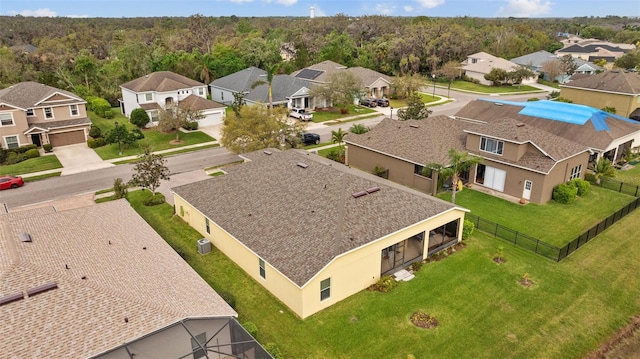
[
  {"x": 29, "y": 94},
  {"x": 198, "y": 103},
  {"x": 327, "y": 67},
  {"x": 161, "y": 81},
  {"x": 240, "y": 81},
  {"x": 108, "y": 264},
  {"x": 300, "y": 219},
  {"x": 615, "y": 81}
]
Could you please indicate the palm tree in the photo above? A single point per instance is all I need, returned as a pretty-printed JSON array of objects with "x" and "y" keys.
[
  {"x": 459, "y": 161},
  {"x": 338, "y": 136},
  {"x": 271, "y": 71},
  {"x": 603, "y": 168}
]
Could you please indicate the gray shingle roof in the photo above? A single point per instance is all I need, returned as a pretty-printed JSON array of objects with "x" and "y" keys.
[
  {"x": 591, "y": 48},
  {"x": 282, "y": 86},
  {"x": 536, "y": 59},
  {"x": 28, "y": 94},
  {"x": 616, "y": 81},
  {"x": 161, "y": 81},
  {"x": 129, "y": 272},
  {"x": 300, "y": 219},
  {"x": 240, "y": 81}
]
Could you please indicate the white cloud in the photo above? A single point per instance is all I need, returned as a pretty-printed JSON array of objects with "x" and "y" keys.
[
  {"x": 430, "y": 4},
  {"x": 385, "y": 9},
  {"x": 408, "y": 8},
  {"x": 46, "y": 12},
  {"x": 526, "y": 8},
  {"x": 286, "y": 2}
]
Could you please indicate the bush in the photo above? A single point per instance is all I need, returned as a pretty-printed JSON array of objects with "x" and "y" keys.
[
  {"x": 415, "y": 266},
  {"x": 139, "y": 117},
  {"x": 229, "y": 298},
  {"x": 95, "y": 132},
  {"x": 13, "y": 158},
  {"x": 47, "y": 147},
  {"x": 108, "y": 114},
  {"x": 564, "y": 193},
  {"x": 119, "y": 188},
  {"x": 467, "y": 229},
  {"x": 32, "y": 153},
  {"x": 137, "y": 134},
  {"x": 100, "y": 106},
  {"x": 23, "y": 149},
  {"x": 96, "y": 142},
  {"x": 336, "y": 155},
  {"x": 582, "y": 186},
  {"x": 190, "y": 125},
  {"x": 156, "y": 199},
  {"x": 274, "y": 350},
  {"x": 385, "y": 284},
  {"x": 251, "y": 328}
]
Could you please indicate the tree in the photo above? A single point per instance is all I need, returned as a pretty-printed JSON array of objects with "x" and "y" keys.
[
  {"x": 629, "y": 60},
  {"x": 149, "y": 171},
  {"x": 415, "y": 110},
  {"x": 337, "y": 136},
  {"x": 459, "y": 161},
  {"x": 553, "y": 69},
  {"x": 271, "y": 70},
  {"x": 603, "y": 168},
  {"x": 520, "y": 73},
  {"x": 609, "y": 109},
  {"x": 238, "y": 102},
  {"x": 450, "y": 71},
  {"x": 120, "y": 135},
  {"x": 139, "y": 117},
  {"x": 568, "y": 65},
  {"x": 497, "y": 76},
  {"x": 342, "y": 88},
  {"x": 403, "y": 86},
  {"x": 173, "y": 117}
]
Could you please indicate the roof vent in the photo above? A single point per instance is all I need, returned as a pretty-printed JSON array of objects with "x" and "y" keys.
[
  {"x": 41, "y": 288},
  {"x": 414, "y": 126},
  {"x": 359, "y": 194},
  {"x": 267, "y": 152},
  {"x": 25, "y": 237},
  {"x": 372, "y": 189},
  {"x": 497, "y": 103},
  {"x": 11, "y": 298},
  {"x": 302, "y": 165},
  {"x": 519, "y": 124}
]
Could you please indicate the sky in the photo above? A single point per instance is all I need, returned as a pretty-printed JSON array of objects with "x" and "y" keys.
[{"x": 259, "y": 8}]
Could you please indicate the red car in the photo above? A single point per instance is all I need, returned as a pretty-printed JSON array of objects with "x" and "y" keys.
[{"x": 7, "y": 182}]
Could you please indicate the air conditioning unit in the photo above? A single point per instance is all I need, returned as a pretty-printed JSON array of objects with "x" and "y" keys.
[{"x": 204, "y": 246}]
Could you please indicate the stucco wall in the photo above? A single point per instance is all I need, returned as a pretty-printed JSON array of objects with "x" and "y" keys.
[{"x": 624, "y": 104}]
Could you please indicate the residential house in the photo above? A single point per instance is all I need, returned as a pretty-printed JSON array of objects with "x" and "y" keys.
[
  {"x": 99, "y": 282},
  {"x": 477, "y": 65},
  {"x": 323, "y": 232},
  {"x": 614, "y": 89},
  {"x": 373, "y": 83},
  {"x": 604, "y": 134},
  {"x": 33, "y": 113},
  {"x": 592, "y": 51},
  {"x": 158, "y": 90},
  {"x": 518, "y": 160},
  {"x": 537, "y": 60},
  {"x": 252, "y": 83}
]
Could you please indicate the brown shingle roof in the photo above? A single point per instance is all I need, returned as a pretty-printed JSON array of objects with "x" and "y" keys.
[
  {"x": 52, "y": 125},
  {"x": 300, "y": 219},
  {"x": 198, "y": 103},
  {"x": 28, "y": 94},
  {"x": 161, "y": 81},
  {"x": 130, "y": 272},
  {"x": 615, "y": 81}
]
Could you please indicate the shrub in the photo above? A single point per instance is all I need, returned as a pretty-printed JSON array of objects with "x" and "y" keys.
[
  {"x": 156, "y": 199},
  {"x": 564, "y": 193},
  {"x": 139, "y": 117},
  {"x": 190, "y": 125},
  {"x": 467, "y": 229},
  {"x": 47, "y": 147},
  {"x": 415, "y": 266},
  {"x": 108, "y": 114},
  {"x": 96, "y": 142},
  {"x": 582, "y": 186},
  {"x": 95, "y": 132},
  {"x": 251, "y": 328},
  {"x": 137, "y": 134},
  {"x": 532, "y": 99},
  {"x": 32, "y": 153},
  {"x": 99, "y": 106},
  {"x": 23, "y": 149},
  {"x": 336, "y": 155},
  {"x": 229, "y": 298},
  {"x": 274, "y": 350},
  {"x": 385, "y": 284},
  {"x": 119, "y": 188},
  {"x": 13, "y": 158}
]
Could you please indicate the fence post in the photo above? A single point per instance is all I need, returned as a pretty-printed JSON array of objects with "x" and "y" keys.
[
  {"x": 495, "y": 233},
  {"x": 620, "y": 190},
  {"x": 636, "y": 194},
  {"x": 515, "y": 239}
]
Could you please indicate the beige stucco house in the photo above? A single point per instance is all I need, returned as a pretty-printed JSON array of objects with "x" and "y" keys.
[
  {"x": 33, "y": 113},
  {"x": 518, "y": 160},
  {"x": 477, "y": 65},
  {"x": 98, "y": 282},
  {"x": 616, "y": 89},
  {"x": 313, "y": 231}
]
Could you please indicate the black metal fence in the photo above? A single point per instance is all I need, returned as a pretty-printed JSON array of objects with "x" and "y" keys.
[{"x": 622, "y": 187}]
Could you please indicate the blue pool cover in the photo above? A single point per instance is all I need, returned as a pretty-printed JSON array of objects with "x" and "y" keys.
[{"x": 564, "y": 112}]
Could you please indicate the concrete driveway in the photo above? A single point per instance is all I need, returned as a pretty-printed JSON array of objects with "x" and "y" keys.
[{"x": 79, "y": 158}]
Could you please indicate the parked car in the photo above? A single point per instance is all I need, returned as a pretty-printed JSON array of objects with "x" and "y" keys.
[
  {"x": 383, "y": 102},
  {"x": 301, "y": 114},
  {"x": 369, "y": 102},
  {"x": 7, "y": 182},
  {"x": 309, "y": 138}
]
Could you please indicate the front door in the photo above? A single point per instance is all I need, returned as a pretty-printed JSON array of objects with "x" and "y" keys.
[
  {"x": 35, "y": 139},
  {"x": 526, "y": 192}
]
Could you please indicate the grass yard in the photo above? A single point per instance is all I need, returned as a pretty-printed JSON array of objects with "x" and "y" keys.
[
  {"x": 483, "y": 311},
  {"x": 324, "y": 116},
  {"x": 42, "y": 163},
  {"x": 554, "y": 223},
  {"x": 470, "y": 86},
  {"x": 630, "y": 176},
  {"x": 426, "y": 98}
]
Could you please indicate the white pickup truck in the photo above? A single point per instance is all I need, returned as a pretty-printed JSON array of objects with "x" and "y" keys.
[{"x": 301, "y": 114}]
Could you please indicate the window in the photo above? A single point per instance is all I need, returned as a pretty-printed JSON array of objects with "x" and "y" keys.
[
  {"x": 6, "y": 119},
  {"x": 30, "y": 112},
  {"x": 206, "y": 223},
  {"x": 325, "y": 289},
  {"x": 74, "y": 110},
  {"x": 263, "y": 272},
  {"x": 12, "y": 141},
  {"x": 48, "y": 112},
  {"x": 201, "y": 91},
  {"x": 148, "y": 97},
  {"x": 153, "y": 115},
  {"x": 491, "y": 145},
  {"x": 222, "y": 95},
  {"x": 575, "y": 172},
  {"x": 417, "y": 169},
  {"x": 197, "y": 344}
]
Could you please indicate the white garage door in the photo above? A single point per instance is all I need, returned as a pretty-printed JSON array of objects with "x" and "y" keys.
[
  {"x": 211, "y": 119},
  {"x": 494, "y": 178}
]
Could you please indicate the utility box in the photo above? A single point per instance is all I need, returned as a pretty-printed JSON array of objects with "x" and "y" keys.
[{"x": 204, "y": 246}]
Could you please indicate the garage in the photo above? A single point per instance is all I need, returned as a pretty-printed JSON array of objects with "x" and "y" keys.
[
  {"x": 67, "y": 138},
  {"x": 210, "y": 119}
]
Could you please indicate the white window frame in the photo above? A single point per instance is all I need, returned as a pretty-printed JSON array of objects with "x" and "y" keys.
[
  {"x": 13, "y": 123},
  {"x": 74, "y": 108},
  {"x": 200, "y": 339},
  {"x": 44, "y": 110},
  {"x": 575, "y": 172},
  {"x": 30, "y": 112},
  {"x": 201, "y": 91},
  {"x": 148, "y": 97},
  {"x": 6, "y": 143},
  {"x": 263, "y": 270},
  {"x": 207, "y": 225},
  {"x": 491, "y": 145},
  {"x": 154, "y": 115},
  {"x": 325, "y": 289}
]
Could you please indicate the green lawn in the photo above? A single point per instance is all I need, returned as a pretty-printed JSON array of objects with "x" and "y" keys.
[
  {"x": 630, "y": 176},
  {"x": 554, "y": 223},
  {"x": 426, "y": 98},
  {"x": 324, "y": 116},
  {"x": 549, "y": 83},
  {"x": 482, "y": 310},
  {"x": 470, "y": 86},
  {"x": 159, "y": 141},
  {"x": 31, "y": 165}
]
